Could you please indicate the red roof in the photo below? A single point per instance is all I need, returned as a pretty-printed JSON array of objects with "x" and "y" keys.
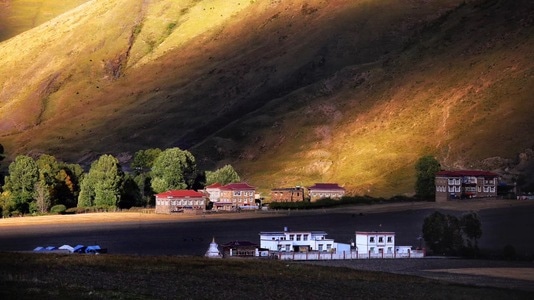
[
  {"x": 462, "y": 173},
  {"x": 326, "y": 186},
  {"x": 214, "y": 185},
  {"x": 179, "y": 194},
  {"x": 238, "y": 186}
]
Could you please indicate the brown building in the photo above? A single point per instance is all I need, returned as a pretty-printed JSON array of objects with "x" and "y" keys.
[
  {"x": 239, "y": 249},
  {"x": 295, "y": 194},
  {"x": 325, "y": 190},
  {"x": 237, "y": 195},
  {"x": 465, "y": 184}
]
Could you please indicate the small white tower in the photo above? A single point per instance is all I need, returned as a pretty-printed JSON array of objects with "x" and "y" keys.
[{"x": 213, "y": 251}]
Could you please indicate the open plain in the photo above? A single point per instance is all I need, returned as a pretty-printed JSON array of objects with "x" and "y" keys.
[{"x": 505, "y": 222}]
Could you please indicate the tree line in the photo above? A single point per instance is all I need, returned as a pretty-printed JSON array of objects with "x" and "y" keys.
[{"x": 43, "y": 185}]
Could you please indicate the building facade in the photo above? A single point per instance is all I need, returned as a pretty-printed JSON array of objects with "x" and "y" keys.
[
  {"x": 187, "y": 201},
  {"x": 300, "y": 241},
  {"x": 465, "y": 184},
  {"x": 294, "y": 194},
  {"x": 325, "y": 190},
  {"x": 375, "y": 242},
  {"x": 236, "y": 195}
]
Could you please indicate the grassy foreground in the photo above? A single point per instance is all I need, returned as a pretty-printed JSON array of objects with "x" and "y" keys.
[{"x": 26, "y": 275}]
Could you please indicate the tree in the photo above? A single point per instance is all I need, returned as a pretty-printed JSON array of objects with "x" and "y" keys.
[
  {"x": 442, "y": 233},
  {"x": 224, "y": 175},
  {"x": 101, "y": 186},
  {"x": 472, "y": 229},
  {"x": 131, "y": 194},
  {"x": 426, "y": 169},
  {"x": 23, "y": 174},
  {"x": 144, "y": 159},
  {"x": 48, "y": 167},
  {"x": 42, "y": 197},
  {"x": 173, "y": 169}
]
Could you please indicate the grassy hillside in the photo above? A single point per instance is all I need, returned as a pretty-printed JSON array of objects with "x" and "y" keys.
[
  {"x": 17, "y": 16},
  {"x": 288, "y": 92}
]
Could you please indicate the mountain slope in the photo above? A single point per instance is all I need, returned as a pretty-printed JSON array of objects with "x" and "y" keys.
[
  {"x": 290, "y": 93},
  {"x": 17, "y": 16}
]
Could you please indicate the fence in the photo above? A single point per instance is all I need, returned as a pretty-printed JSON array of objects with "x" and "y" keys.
[{"x": 345, "y": 255}]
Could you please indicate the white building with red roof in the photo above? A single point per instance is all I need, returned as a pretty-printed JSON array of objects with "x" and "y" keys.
[
  {"x": 465, "y": 184},
  {"x": 187, "y": 201},
  {"x": 214, "y": 192},
  {"x": 325, "y": 190}
]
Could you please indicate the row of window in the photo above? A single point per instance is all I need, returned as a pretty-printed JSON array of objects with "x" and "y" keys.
[
  {"x": 468, "y": 189},
  {"x": 180, "y": 202},
  {"x": 326, "y": 194},
  {"x": 239, "y": 200},
  {"x": 243, "y": 193},
  {"x": 381, "y": 239},
  {"x": 458, "y": 181}
]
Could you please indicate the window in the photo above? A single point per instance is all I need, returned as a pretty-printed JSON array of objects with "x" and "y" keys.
[
  {"x": 298, "y": 237},
  {"x": 328, "y": 247},
  {"x": 372, "y": 239},
  {"x": 288, "y": 247},
  {"x": 380, "y": 239},
  {"x": 291, "y": 237},
  {"x": 304, "y": 237},
  {"x": 279, "y": 247},
  {"x": 390, "y": 239},
  {"x": 320, "y": 247}
]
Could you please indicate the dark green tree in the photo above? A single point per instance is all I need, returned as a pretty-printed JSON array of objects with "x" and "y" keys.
[
  {"x": 173, "y": 169},
  {"x": 131, "y": 194},
  {"x": 143, "y": 160},
  {"x": 224, "y": 175},
  {"x": 426, "y": 169},
  {"x": 20, "y": 184},
  {"x": 472, "y": 229},
  {"x": 442, "y": 233},
  {"x": 101, "y": 187}
]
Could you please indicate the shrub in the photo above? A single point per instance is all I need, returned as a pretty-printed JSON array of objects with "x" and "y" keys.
[{"x": 58, "y": 209}]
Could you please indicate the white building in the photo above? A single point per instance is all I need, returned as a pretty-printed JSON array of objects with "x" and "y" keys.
[
  {"x": 300, "y": 241},
  {"x": 375, "y": 242}
]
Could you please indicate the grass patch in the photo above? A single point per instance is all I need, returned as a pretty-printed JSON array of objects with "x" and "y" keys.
[{"x": 163, "y": 277}]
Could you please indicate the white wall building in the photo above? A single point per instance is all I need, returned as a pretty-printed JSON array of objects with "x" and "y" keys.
[
  {"x": 300, "y": 241},
  {"x": 375, "y": 242}
]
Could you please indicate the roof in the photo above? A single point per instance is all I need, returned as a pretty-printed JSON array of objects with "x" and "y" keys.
[
  {"x": 461, "y": 173},
  {"x": 326, "y": 186},
  {"x": 238, "y": 186},
  {"x": 314, "y": 232},
  {"x": 214, "y": 185},
  {"x": 240, "y": 244},
  {"x": 287, "y": 189},
  {"x": 179, "y": 194},
  {"x": 374, "y": 232}
]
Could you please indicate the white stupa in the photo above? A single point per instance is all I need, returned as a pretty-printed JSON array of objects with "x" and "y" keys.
[{"x": 213, "y": 251}]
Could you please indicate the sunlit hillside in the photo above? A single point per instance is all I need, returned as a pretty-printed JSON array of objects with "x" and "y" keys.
[
  {"x": 17, "y": 16},
  {"x": 289, "y": 92}
]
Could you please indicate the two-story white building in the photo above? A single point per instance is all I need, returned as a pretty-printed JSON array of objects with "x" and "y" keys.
[
  {"x": 375, "y": 242},
  {"x": 300, "y": 241}
]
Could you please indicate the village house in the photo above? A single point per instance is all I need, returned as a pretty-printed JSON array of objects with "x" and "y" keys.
[
  {"x": 300, "y": 241},
  {"x": 325, "y": 190},
  {"x": 465, "y": 184},
  {"x": 375, "y": 242},
  {"x": 187, "y": 201},
  {"x": 213, "y": 192},
  {"x": 293, "y": 194},
  {"x": 240, "y": 249},
  {"x": 235, "y": 196}
]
